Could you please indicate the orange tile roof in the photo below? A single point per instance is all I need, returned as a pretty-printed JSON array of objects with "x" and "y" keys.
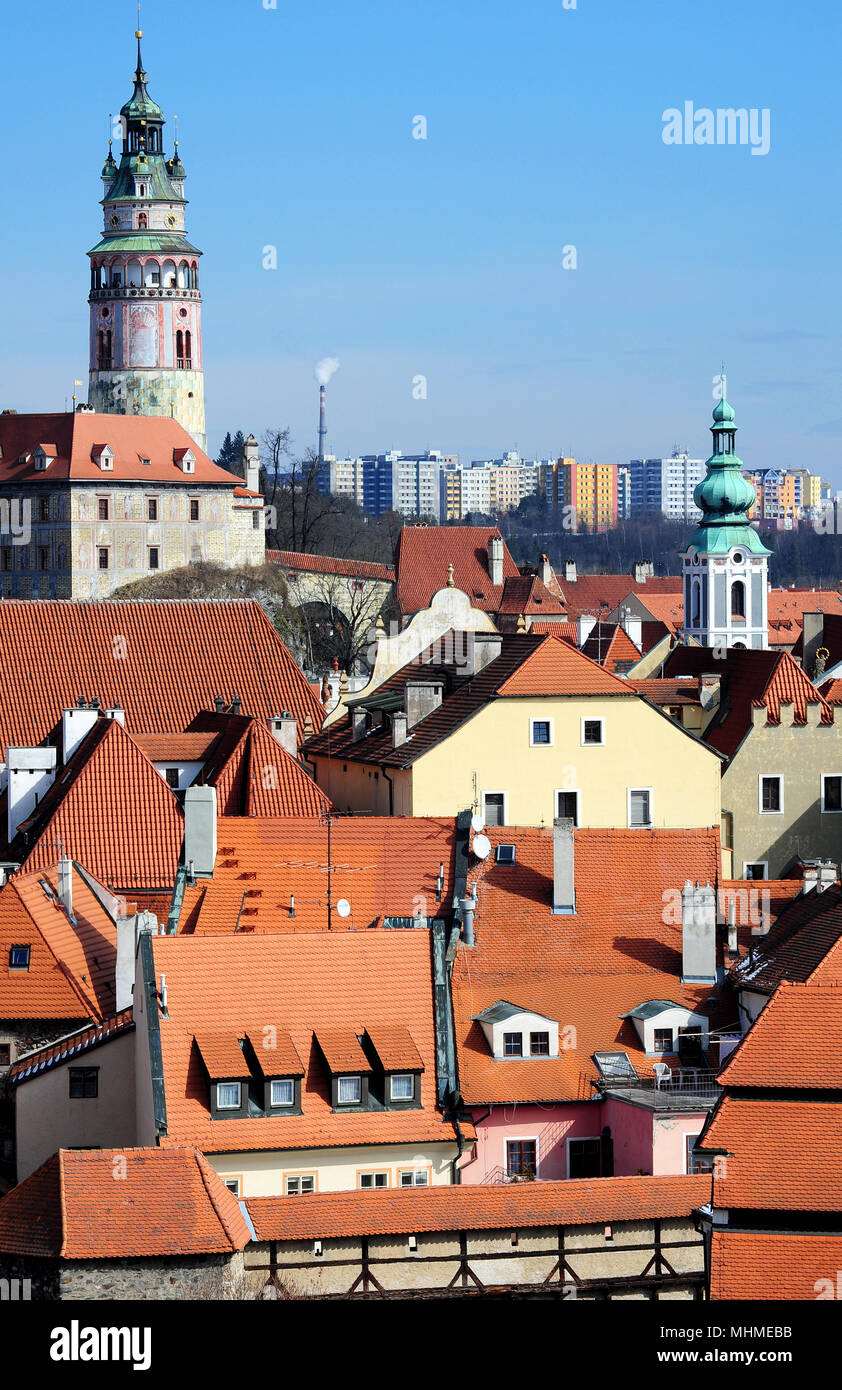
[
  {"x": 179, "y": 655},
  {"x": 382, "y": 866},
  {"x": 72, "y": 1045},
  {"x": 330, "y": 564},
  {"x": 221, "y": 1054},
  {"x": 661, "y": 691},
  {"x": 275, "y": 1052},
  {"x": 424, "y": 554},
  {"x": 110, "y": 811},
  {"x": 795, "y": 1043},
  {"x": 395, "y": 1048},
  {"x": 173, "y": 748},
  {"x": 755, "y": 1265},
  {"x": 619, "y": 949},
  {"x": 667, "y": 609},
  {"x": 600, "y": 594},
  {"x": 568, "y": 632},
  {"x": 166, "y": 1203},
  {"x": 342, "y": 1051},
  {"x": 527, "y": 594},
  {"x": 255, "y": 776},
  {"x": 71, "y": 966},
  {"x": 306, "y": 984},
  {"x": 781, "y": 1154},
  {"x": 131, "y": 437},
  {"x": 609, "y": 644},
  {"x": 556, "y": 668},
  {"x": 472, "y": 1207}
]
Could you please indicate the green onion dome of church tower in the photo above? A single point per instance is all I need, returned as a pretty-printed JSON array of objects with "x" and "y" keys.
[{"x": 725, "y": 496}]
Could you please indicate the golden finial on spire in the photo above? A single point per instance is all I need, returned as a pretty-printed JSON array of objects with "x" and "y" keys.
[{"x": 521, "y": 623}]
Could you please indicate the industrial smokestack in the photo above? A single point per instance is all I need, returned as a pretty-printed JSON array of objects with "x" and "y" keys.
[
  {"x": 323, "y": 371},
  {"x": 322, "y": 425}
]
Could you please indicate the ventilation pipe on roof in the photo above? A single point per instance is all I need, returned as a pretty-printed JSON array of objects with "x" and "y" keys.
[
  {"x": 698, "y": 934},
  {"x": 219, "y": 704},
  {"x": 564, "y": 883},
  {"x": 200, "y": 830},
  {"x": 65, "y": 884},
  {"x": 285, "y": 729},
  {"x": 236, "y": 705},
  {"x": 495, "y": 560}
]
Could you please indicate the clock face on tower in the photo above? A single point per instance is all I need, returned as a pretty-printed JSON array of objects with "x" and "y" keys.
[
  {"x": 171, "y": 220},
  {"x": 115, "y": 221}
]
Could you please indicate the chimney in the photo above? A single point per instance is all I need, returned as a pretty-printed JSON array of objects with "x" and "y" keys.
[
  {"x": 65, "y": 884},
  {"x": 219, "y": 704},
  {"x": 199, "y": 855},
  {"x": 819, "y": 874},
  {"x": 251, "y": 464},
  {"x": 285, "y": 729},
  {"x": 545, "y": 571},
  {"x": 128, "y": 933},
  {"x": 812, "y": 639},
  {"x": 570, "y": 571},
  {"x": 698, "y": 934},
  {"x": 358, "y": 723},
  {"x": 30, "y": 774},
  {"x": 322, "y": 424},
  {"x": 117, "y": 713},
  {"x": 420, "y": 699},
  {"x": 732, "y": 928},
  {"x": 398, "y": 728},
  {"x": 495, "y": 560},
  {"x": 586, "y": 625},
  {"x": 76, "y": 724},
  {"x": 564, "y": 889},
  {"x": 633, "y": 627},
  {"x": 710, "y": 690},
  {"x": 641, "y": 572},
  {"x": 481, "y": 648}
]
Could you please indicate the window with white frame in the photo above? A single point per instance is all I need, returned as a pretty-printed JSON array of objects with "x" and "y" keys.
[
  {"x": 282, "y": 1093},
  {"x": 402, "y": 1086},
  {"x": 541, "y": 733},
  {"x": 296, "y": 1184},
  {"x": 494, "y": 808},
  {"x": 373, "y": 1179},
  {"x": 413, "y": 1177},
  {"x": 349, "y": 1090},
  {"x": 593, "y": 732},
  {"x": 640, "y": 808},
  {"x": 567, "y": 806},
  {"x": 831, "y": 792},
  {"x": 233, "y": 1185},
  {"x": 758, "y": 868},
  {"x": 228, "y": 1095},
  {"x": 771, "y": 795}
]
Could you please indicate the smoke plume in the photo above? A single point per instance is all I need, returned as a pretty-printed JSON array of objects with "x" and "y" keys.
[{"x": 325, "y": 369}]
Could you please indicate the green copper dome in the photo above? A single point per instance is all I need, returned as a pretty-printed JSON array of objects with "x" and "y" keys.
[{"x": 724, "y": 496}]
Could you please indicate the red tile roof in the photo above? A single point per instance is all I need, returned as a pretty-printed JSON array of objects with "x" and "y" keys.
[
  {"x": 781, "y": 1155},
  {"x": 424, "y": 554},
  {"x": 527, "y": 594},
  {"x": 306, "y": 984},
  {"x": 556, "y": 668},
  {"x": 342, "y": 1051},
  {"x": 109, "y": 1204},
  {"x": 503, "y": 1206},
  {"x": 754, "y": 1265},
  {"x": 610, "y": 645},
  {"x": 683, "y": 690},
  {"x": 162, "y": 661},
  {"x": 71, "y": 965},
  {"x": 804, "y": 940},
  {"x": 795, "y": 1043},
  {"x": 111, "y": 812},
  {"x": 330, "y": 564},
  {"x": 73, "y": 1045},
  {"x": 382, "y": 866},
  {"x": 131, "y": 438},
  {"x": 221, "y": 1054},
  {"x": 395, "y": 1048},
  {"x": 620, "y": 948},
  {"x": 568, "y": 632},
  {"x": 600, "y": 594},
  {"x": 253, "y": 773},
  {"x": 175, "y": 748}
]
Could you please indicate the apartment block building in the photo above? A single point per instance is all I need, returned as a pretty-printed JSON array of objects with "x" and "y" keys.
[{"x": 665, "y": 485}]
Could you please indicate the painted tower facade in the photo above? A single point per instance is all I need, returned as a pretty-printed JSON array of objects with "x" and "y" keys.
[
  {"x": 725, "y": 563},
  {"x": 146, "y": 309}
]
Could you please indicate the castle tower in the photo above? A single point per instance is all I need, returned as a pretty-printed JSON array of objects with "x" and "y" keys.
[
  {"x": 146, "y": 315},
  {"x": 725, "y": 563}
]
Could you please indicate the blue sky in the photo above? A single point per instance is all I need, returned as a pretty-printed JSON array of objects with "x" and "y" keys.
[{"x": 444, "y": 257}]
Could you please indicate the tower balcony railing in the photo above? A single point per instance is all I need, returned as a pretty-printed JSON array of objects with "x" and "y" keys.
[{"x": 143, "y": 292}]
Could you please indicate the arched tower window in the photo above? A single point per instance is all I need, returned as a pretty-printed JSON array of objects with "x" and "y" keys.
[
  {"x": 696, "y": 604},
  {"x": 142, "y": 219},
  {"x": 738, "y": 599},
  {"x": 179, "y": 348},
  {"x": 188, "y": 349}
]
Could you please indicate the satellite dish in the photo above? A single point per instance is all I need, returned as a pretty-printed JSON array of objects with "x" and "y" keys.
[
  {"x": 477, "y": 824},
  {"x": 482, "y": 846},
  {"x": 343, "y": 907}
]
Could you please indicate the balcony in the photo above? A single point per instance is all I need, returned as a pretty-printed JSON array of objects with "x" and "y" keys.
[
  {"x": 142, "y": 292},
  {"x": 688, "y": 1088}
]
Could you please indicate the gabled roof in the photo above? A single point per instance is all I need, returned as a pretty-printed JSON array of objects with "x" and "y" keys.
[
  {"x": 71, "y": 1046},
  {"x": 584, "y": 969},
  {"x": 775, "y": 1265},
  {"x": 271, "y": 874},
  {"x": 795, "y": 1043},
  {"x": 161, "y": 661},
  {"x": 600, "y": 594},
  {"x": 750, "y": 678},
  {"x": 331, "y": 564},
  {"x": 166, "y": 1203},
  {"x": 609, "y": 644},
  {"x": 253, "y": 773},
  {"x": 71, "y": 963},
  {"x": 527, "y": 594},
  {"x": 556, "y": 668},
  {"x": 661, "y": 690},
  {"x": 473, "y": 1207},
  {"x": 310, "y": 985},
  {"x": 81, "y": 437},
  {"x": 786, "y": 608},
  {"x": 424, "y": 553},
  {"x": 781, "y": 1154},
  {"x": 110, "y": 811}
]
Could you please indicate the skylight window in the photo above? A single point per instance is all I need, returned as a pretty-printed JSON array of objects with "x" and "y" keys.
[
  {"x": 506, "y": 854},
  {"x": 19, "y": 957},
  {"x": 615, "y": 1066}
]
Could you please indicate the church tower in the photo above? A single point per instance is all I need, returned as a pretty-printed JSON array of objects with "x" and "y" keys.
[
  {"x": 146, "y": 314},
  {"x": 725, "y": 563}
]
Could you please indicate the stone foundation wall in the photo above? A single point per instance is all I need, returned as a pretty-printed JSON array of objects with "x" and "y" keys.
[{"x": 149, "y": 1280}]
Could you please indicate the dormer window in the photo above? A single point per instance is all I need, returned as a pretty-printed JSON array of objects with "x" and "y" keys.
[
  {"x": 229, "y": 1095},
  {"x": 513, "y": 1032},
  {"x": 402, "y": 1086},
  {"x": 43, "y": 456},
  {"x": 349, "y": 1090},
  {"x": 228, "y": 1074},
  {"x": 185, "y": 459},
  {"x": 512, "y": 1044},
  {"x": 282, "y": 1093},
  {"x": 103, "y": 456}
]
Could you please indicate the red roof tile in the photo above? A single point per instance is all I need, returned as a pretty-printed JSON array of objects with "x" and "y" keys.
[
  {"x": 754, "y": 1265},
  {"x": 175, "y": 748},
  {"x": 166, "y": 1203},
  {"x": 600, "y": 594},
  {"x": 73, "y": 1045},
  {"x": 222, "y": 1054},
  {"x": 556, "y": 668},
  {"x": 342, "y": 1051},
  {"x": 503, "y": 1206},
  {"x": 527, "y": 594},
  {"x": 172, "y": 659},
  {"x": 254, "y": 775},
  {"x": 795, "y": 1043},
  {"x": 781, "y": 1155},
  {"x": 424, "y": 554},
  {"x": 330, "y": 564},
  {"x": 610, "y": 645},
  {"x": 395, "y": 1048}
]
